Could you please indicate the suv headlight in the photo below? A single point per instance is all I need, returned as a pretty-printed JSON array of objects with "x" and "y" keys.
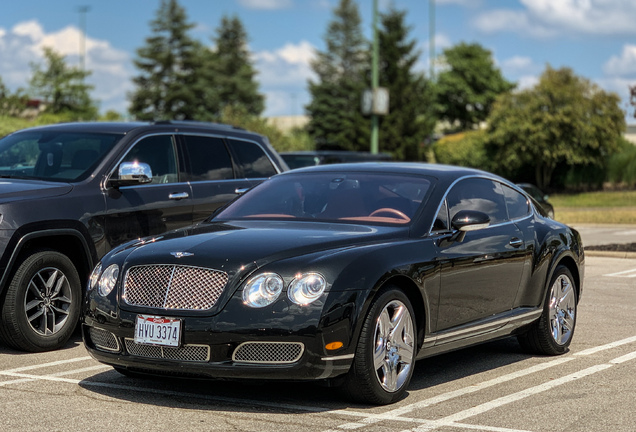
[
  {"x": 306, "y": 288},
  {"x": 108, "y": 280},
  {"x": 262, "y": 290}
]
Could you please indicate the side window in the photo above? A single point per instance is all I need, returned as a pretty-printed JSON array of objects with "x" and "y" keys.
[
  {"x": 209, "y": 159},
  {"x": 478, "y": 194},
  {"x": 159, "y": 152},
  {"x": 252, "y": 159},
  {"x": 517, "y": 203},
  {"x": 441, "y": 220}
]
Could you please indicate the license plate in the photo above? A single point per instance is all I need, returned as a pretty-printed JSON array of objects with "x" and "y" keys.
[{"x": 154, "y": 330}]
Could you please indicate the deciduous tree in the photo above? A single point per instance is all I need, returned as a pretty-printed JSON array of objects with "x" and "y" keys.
[
  {"x": 563, "y": 119},
  {"x": 63, "y": 88},
  {"x": 468, "y": 85}
]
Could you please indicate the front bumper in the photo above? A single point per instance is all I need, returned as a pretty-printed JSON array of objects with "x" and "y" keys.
[{"x": 281, "y": 342}]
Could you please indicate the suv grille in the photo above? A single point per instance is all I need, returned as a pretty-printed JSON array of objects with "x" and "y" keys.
[{"x": 173, "y": 287}]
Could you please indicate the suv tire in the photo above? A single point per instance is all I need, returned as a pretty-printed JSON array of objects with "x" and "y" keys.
[{"x": 41, "y": 306}]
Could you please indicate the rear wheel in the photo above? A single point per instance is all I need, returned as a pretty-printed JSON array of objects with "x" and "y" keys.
[
  {"x": 41, "y": 304},
  {"x": 552, "y": 333},
  {"x": 385, "y": 355}
]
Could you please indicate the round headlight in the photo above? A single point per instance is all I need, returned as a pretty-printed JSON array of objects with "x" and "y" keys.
[
  {"x": 306, "y": 288},
  {"x": 92, "y": 281},
  {"x": 262, "y": 290},
  {"x": 108, "y": 280}
]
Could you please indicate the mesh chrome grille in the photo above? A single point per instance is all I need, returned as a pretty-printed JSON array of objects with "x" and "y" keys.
[
  {"x": 268, "y": 352},
  {"x": 173, "y": 287},
  {"x": 190, "y": 353},
  {"x": 103, "y": 339}
]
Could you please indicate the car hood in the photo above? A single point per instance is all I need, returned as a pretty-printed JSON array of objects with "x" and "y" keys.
[
  {"x": 17, "y": 189},
  {"x": 230, "y": 246}
]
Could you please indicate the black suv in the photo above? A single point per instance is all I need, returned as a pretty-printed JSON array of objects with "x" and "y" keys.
[{"x": 69, "y": 193}]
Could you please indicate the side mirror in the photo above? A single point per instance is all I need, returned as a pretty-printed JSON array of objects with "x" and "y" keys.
[
  {"x": 133, "y": 173},
  {"x": 470, "y": 220}
]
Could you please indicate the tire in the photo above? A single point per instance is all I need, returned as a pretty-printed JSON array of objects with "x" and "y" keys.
[
  {"x": 552, "y": 333},
  {"x": 385, "y": 354},
  {"x": 42, "y": 303}
]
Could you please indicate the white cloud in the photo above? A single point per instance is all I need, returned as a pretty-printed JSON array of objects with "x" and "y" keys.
[
  {"x": 111, "y": 68},
  {"x": 289, "y": 65},
  {"x": 546, "y": 18},
  {"x": 527, "y": 82},
  {"x": 517, "y": 63},
  {"x": 266, "y": 4},
  {"x": 625, "y": 64}
]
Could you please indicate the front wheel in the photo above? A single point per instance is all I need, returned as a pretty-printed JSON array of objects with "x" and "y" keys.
[
  {"x": 552, "y": 333},
  {"x": 41, "y": 304},
  {"x": 385, "y": 355}
]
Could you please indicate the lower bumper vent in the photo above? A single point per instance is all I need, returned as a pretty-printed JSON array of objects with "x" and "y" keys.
[
  {"x": 103, "y": 339},
  {"x": 189, "y": 353},
  {"x": 268, "y": 352}
]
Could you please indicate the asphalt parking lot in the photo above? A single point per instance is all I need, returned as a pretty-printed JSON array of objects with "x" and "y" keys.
[{"x": 493, "y": 387}]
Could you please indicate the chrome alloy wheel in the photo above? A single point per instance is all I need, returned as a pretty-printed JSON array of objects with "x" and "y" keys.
[
  {"x": 394, "y": 345},
  {"x": 47, "y": 301},
  {"x": 562, "y": 309}
]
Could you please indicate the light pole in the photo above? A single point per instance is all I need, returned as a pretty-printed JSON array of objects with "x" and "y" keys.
[
  {"x": 374, "y": 79},
  {"x": 431, "y": 38},
  {"x": 82, "y": 11}
]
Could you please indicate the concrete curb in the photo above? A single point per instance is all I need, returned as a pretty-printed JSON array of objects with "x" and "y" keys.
[{"x": 610, "y": 254}]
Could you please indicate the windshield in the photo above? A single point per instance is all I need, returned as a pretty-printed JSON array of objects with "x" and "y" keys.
[
  {"x": 55, "y": 156},
  {"x": 331, "y": 196}
]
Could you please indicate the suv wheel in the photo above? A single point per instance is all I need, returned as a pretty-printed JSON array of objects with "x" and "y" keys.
[{"x": 41, "y": 304}]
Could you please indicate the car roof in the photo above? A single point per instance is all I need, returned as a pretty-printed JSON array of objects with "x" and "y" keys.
[
  {"x": 439, "y": 171},
  {"x": 126, "y": 127}
]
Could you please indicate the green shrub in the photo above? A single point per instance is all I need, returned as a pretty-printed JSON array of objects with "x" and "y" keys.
[
  {"x": 622, "y": 165},
  {"x": 463, "y": 149}
]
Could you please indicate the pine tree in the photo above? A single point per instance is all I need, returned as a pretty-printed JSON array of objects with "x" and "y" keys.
[
  {"x": 335, "y": 117},
  {"x": 410, "y": 120},
  {"x": 173, "y": 83},
  {"x": 63, "y": 88},
  {"x": 234, "y": 75}
]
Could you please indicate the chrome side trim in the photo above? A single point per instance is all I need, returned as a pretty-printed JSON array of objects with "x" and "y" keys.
[{"x": 342, "y": 357}]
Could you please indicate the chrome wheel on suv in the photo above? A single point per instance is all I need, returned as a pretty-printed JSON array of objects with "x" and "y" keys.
[{"x": 41, "y": 304}]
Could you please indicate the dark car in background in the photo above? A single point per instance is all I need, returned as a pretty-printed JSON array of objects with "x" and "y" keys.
[
  {"x": 300, "y": 159},
  {"x": 69, "y": 193},
  {"x": 346, "y": 273},
  {"x": 540, "y": 197}
]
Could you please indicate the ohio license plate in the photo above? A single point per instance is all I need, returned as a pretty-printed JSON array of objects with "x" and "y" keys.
[{"x": 154, "y": 330}]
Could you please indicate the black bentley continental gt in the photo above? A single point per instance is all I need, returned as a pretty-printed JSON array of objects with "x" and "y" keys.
[{"x": 343, "y": 273}]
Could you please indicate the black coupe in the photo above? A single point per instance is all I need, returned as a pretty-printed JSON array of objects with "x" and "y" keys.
[{"x": 344, "y": 273}]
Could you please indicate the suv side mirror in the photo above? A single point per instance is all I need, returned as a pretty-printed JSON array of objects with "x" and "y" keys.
[{"x": 133, "y": 173}]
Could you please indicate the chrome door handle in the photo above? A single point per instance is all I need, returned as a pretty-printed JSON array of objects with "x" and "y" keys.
[
  {"x": 178, "y": 195},
  {"x": 515, "y": 242},
  {"x": 241, "y": 191}
]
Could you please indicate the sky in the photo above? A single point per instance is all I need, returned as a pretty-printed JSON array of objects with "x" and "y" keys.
[{"x": 595, "y": 38}]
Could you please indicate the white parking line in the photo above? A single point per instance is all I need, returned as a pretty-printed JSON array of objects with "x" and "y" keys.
[
  {"x": 41, "y": 365},
  {"x": 391, "y": 415},
  {"x": 626, "y": 274}
]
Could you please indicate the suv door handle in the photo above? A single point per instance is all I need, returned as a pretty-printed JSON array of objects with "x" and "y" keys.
[
  {"x": 515, "y": 242},
  {"x": 178, "y": 195},
  {"x": 241, "y": 191}
]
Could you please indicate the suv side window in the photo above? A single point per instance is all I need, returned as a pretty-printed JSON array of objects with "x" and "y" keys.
[
  {"x": 252, "y": 159},
  {"x": 209, "y": 159},
  {"x": 518, "y": 205},
  {"x": 478, "y": 194},
  {"x": 158, "y": 151}
]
